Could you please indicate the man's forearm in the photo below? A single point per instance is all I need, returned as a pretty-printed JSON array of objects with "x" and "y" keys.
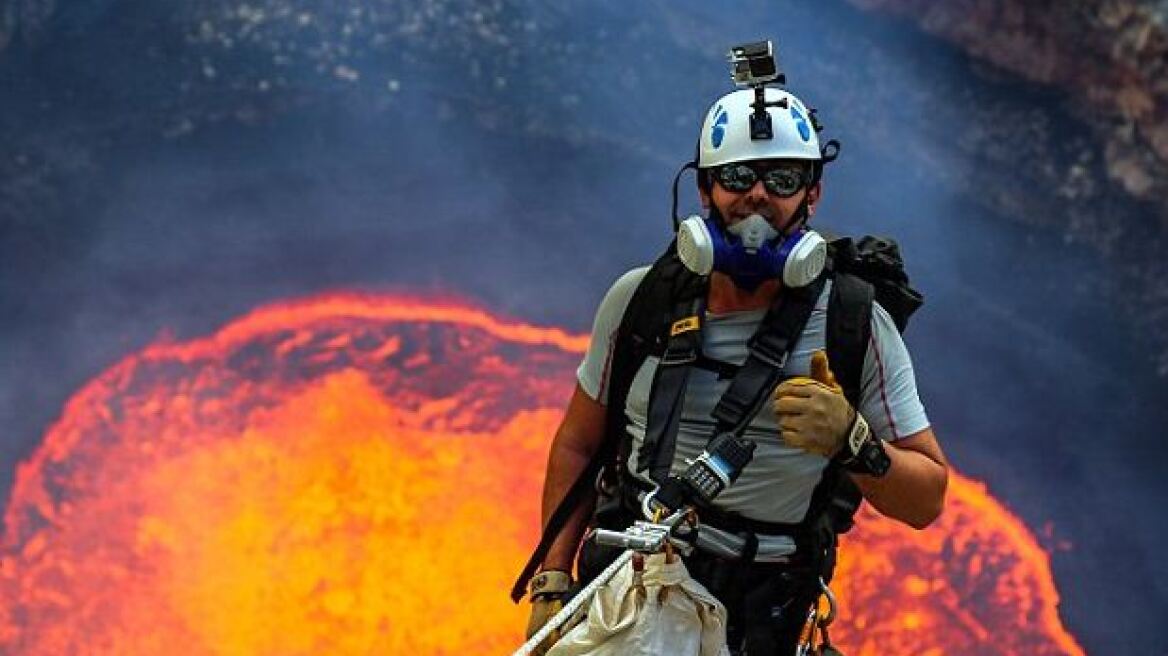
[
  {"x": 578, "y": 438},
  {"x": 913, "y": 490},
  {"x": 564, "y": 467}
]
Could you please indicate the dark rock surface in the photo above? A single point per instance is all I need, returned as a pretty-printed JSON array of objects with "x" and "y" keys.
[{"x": 1109, "y": 56}]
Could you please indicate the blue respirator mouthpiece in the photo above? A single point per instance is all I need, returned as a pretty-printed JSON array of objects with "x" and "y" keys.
[{"x": 751, "y": 251}]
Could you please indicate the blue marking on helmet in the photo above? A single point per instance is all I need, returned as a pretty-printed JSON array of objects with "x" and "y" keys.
[
  {"x": 719, "y": 130},
  {"x": 804, "y": 129}
]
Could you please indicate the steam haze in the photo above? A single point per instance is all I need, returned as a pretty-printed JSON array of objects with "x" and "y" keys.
[{"x": 169, "y": 166}]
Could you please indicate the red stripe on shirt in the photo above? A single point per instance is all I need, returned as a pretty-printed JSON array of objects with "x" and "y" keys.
[
  {"x": 604, "y": 371},
  {"x": 883, "y": 389}
]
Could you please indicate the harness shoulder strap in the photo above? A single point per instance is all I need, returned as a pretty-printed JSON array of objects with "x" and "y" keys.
[
  {"x": 767, "y": 355},
  {"x": 667, "y": 393}
]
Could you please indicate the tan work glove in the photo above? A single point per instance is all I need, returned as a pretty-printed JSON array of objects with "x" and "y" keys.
[
  {"x": 813, "y": 413},
  {"x": 547, "y": 594}
]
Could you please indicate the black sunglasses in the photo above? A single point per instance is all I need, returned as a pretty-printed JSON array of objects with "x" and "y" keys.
[{"x": 782, "y": 180}]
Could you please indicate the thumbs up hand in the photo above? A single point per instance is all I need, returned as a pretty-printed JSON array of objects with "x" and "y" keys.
[{"x": 813, "y": 413}]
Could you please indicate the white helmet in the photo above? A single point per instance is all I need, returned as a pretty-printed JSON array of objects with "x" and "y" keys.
[{"x": 726, "y": 138}]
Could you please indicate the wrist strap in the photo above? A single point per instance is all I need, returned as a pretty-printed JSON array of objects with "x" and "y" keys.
[
  {"x": 864, "y": 452},
  {"x": 858, "y": 435},
  {"x": 550, "y": 583}
]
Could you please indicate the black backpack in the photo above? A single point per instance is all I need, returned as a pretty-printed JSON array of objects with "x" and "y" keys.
[{"x": 862, "y": 272}]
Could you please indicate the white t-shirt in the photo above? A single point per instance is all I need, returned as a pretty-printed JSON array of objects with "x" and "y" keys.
[{"x": 777, "y": 485}]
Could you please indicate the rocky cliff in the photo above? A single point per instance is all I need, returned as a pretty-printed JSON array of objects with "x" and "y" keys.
[{"x": 1109, "y": 56}]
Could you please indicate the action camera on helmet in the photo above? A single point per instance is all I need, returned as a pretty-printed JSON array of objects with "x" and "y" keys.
[{"x": 754, "y": 64}]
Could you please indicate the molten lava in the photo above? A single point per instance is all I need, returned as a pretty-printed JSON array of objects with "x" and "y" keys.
[{"x": 361, "y": 475}]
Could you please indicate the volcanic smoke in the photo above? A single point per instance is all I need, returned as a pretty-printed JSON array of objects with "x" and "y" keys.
[{"x": 361, "y": 475}]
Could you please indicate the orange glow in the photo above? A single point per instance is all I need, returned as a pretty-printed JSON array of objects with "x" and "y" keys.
[
  {"x": 975, "y": 578},
  {"x": 360, "y": 474}
]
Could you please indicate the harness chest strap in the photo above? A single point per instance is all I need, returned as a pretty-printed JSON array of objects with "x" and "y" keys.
[{"x": 749, "y": 390}]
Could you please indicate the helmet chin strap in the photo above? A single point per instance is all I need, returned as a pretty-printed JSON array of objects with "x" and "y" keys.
[
  {"x": 716, "y": 216},
  {"x": 801, "y": 216}
]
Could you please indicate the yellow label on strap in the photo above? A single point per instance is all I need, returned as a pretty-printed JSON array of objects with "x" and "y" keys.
[{"x": 684, "y": 326}]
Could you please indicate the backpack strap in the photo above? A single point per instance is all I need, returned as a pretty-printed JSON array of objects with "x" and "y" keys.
[
  {"x": 864, "y": 273},
  {"x": 849, "y": 328},
  {"x": 836, "y": 497}
]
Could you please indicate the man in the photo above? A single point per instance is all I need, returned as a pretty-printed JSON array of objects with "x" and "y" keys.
[{"x": 750, "y": 185}]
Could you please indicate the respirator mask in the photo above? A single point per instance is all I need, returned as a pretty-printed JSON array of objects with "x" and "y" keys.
[{"x": 751, "y": 251}]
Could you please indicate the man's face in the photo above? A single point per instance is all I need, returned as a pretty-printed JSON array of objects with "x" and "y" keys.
[{"x": 757, "y": 199}]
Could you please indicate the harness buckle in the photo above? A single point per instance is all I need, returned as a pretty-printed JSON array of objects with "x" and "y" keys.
[{"x": 674, "y": 357}]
